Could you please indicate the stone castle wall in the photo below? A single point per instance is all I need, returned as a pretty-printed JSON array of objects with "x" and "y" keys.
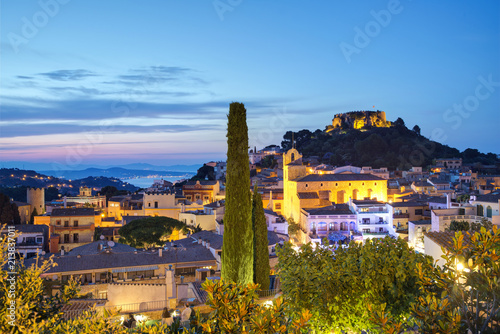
[{"x": 360, "y": 119}]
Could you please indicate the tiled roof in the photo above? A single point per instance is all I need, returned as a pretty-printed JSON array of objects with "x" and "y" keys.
[
  {"x": 339, "y": 177},
  {"x": 407, "y": 204},
  {"x": 490, "y": 198},
  {"x": 421, "y": 222},
  {"x": 28, "y": 228},
  {"x": 73, "y": 212},
  {"x": 110, "y": 260},
  {"x": 366, "y": 201},
  {"x": 308, "y": 195},
  {"x": 203, "y": 183},
  {"x": 336, "y": 209},
  {"x": 445, "y": 239},
  {"x": 270, "y": 212},
  {"x": 93, "y": 248},
  {"x": 117, "y": 198},
  {"x": 214, "y": 239}
]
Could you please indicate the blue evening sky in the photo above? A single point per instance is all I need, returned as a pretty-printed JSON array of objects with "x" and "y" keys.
[{"x": 107, "y": 82}]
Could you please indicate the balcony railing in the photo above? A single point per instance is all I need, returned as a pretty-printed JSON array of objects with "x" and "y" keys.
[
  {"x": 401, "y": 215},
  {"x": 374, "y": 223},
  {"x": 376, "y": 233}
]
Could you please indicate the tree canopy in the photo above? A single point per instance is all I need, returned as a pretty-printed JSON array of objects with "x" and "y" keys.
[
  {"x": 9, "y": 213},
  {"x": 237, "y": 247},
  {"x": 336, "y": 286},
  {"x": 150, "y": 232},
  {"x": 261, "y": 265}
]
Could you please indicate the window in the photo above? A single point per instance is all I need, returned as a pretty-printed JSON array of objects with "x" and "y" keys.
[
  {"x": 380, "y": 219},
  {"x": 205, "y": 198},
  {"x": 75, "y": 237},
  {"x": 66, "y": 223},
  {"x": 336, "y": 184},
  {"x": 66, "y": 238},
  {"x": 277, "y": 206},
  {"x": 349, "y": 184},
  {"x": 307, "y": 185},
  {"x": 375, "y": 183},
  {"x": 197, "y": 196},
  {"x": 75, "y": 223},
  {"x": 321, "y": 185},
  {"x": 149, "y": 204},
  {"x": 58, "y": 222},
  {"x": 188, "y": 197},
  {"x": 156, "y": 204},
  {"x": 39, "y": 240},
  {"x": 418, "y": 211}
]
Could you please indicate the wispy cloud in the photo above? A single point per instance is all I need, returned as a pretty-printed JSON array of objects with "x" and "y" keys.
[{"x": 68, "y": 75}]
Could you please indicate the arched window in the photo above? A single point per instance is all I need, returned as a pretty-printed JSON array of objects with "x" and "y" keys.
[{"x": 489, "y": 212}]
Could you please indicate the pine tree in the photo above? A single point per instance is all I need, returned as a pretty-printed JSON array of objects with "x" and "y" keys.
[
  {"x": 261, "y": 266},
  {"x": 237, "y": 249}
]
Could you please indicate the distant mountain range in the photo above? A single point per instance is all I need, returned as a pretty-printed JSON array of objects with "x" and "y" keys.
[
  {"x": 52, "y": 167},
  {"x": 116, "y": 172}
]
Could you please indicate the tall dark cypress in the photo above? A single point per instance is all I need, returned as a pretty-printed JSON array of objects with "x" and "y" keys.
[
  {"x": 261, "y": 267},
  {"x": 237, "y": 248}
]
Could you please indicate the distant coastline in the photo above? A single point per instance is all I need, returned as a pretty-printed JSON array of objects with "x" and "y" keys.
[{"x": 145, "y": 182}]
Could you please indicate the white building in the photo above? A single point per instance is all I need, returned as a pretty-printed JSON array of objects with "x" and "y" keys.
[
  {"x": 318, "y": 223},
  {"x": 373, "y": 218},
  {"x": 275, "y": 222}
]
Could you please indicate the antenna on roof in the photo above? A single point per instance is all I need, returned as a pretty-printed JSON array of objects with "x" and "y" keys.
[{"x": 293, "y": 140}]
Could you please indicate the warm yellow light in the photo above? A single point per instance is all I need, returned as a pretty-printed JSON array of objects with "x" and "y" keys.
[
  {"x": 102, "y": 215},
  {"x": 460, "y": 266}
]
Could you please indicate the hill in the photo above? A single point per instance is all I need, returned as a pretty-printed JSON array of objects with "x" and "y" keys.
[{"x": 395, "y": 147}]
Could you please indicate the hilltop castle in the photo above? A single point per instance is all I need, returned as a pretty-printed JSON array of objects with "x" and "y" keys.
[{"x": 359, "y": 119}]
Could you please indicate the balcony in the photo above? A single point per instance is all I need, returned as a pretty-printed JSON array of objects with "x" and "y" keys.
[
  {"x": 69, "y": 228},
  {"x": 373, "y": 223},
  {"x": 401, "y": 215}
]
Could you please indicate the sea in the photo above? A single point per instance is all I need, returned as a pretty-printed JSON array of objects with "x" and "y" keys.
[{"x": 145, "y": 182}]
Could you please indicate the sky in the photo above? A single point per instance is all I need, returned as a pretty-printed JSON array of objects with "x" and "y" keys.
[{"x": 115, "y": 82}]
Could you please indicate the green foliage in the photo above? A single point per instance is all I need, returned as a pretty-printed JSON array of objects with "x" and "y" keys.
[
  {"x": 462, "y": 296},
  {"x": 337, "y": 286},
  {"x": 397, "y": 147},
  {"x": 31, "y": 307},
  {"x": 261, "y": 267},
  {"x": 268, "y": 162},
  {"x": 205, "y": 172},
  {"x": 293, "y": 227},
  {"x": 150, "y": 232},
  {"x": 33, "y": 214},
  {"x": 459, "y": 225},
  {"x": 237, "y": 249},
  {"x": 236, "y": 310},
  {"x": 9, "y": 213}
]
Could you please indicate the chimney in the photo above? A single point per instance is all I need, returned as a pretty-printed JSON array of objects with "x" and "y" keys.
[
  {"x": 62, "y": 252},
  {"x": 207, "y": 244},
  {"x": 448, "y": 200},
  {"x": 160, "y": 252},
  {"x": 275, "y": 230},
  {"x": 203, "y": 242},
  {"x": 172, "y": 243},
  {"x": 64, "y": 201},
  {"x": 199, "y": 241}
]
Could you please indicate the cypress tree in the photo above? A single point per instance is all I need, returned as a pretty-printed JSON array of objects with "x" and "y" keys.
[
  {"x": 261, "y": 268},
  {"x": 237, "y": 248}
]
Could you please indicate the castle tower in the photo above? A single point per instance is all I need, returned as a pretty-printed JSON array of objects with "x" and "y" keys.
[
  {"x": 36, "y": 198},
  {"x": 85, "y": 192}
]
